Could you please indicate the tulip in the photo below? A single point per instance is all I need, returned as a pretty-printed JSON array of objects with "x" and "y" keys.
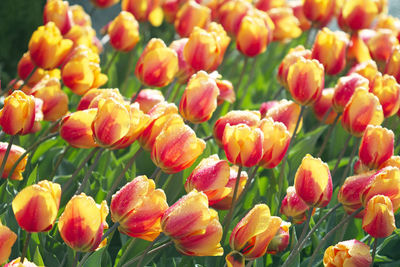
[
  {"x": 358, "y": 49},
  {"x": 243, "y": 145},
  {"x": 14, "y": 154},
  {"x": 190, "y": 15},
  {"x": 92, "y": 97},
  {"x": 58, "y": 12},
  {"x": 157, "y": 65},
  {"x": 281, "y": 240},
  {"x": 104, "y": 3},
  {"x": 36, "y": 206},
  {"x": 293, "y": 206},
  {"x": 287, "y": 26},
  {"x": 148, "y": 98},
  {"x": 287, "y": 112},
  {"x": 266, "y": 5},
  {"x": 394, "y": 161},
  {"x": 76, "y": 128},
  {"x": 294, "y": 55},
  {"x": 138, "y": 208},
  {"x": 144, "y": 10},
  {"x": 124, "y": 32},
  {"x": 362, "y": 109},
  {"x": 47, "y": 47},
  {"x": 79, "y": 16},
  {"x": 176, "y": 148},
  {"x": 250, "y": 118},
  {"x": 313, "y": 182},
  {"x": 235, "y": 259},
  {"x": 393, "y": 64},
  {"x": 18, "y": 113},
  {"x": 388, "y": 94},
  {"x": 275, "y": 143},
  {"x": 358, "y": 14},
  {"x": 223, "y": 39},
  {"x": 381, "y": 45},
  {"x": 378, "y": 220},
  {"x": 82, "y": 223},
  {"x": 265, "y": 106},
  {"x": 86, "y": 36},
  {"x": 306, "y": 81},
  {"x": 7, "y": 240},
  {"x": 368, "y": 70},
  {"x": 323, "y": 105},
  {"x": 17, "y": 263},
  {"x": 199, "y": 100},
  {"x": 193, "y": 226},
  {"x": 171, "y": 8},
  {"x": 347, "y": 253},
  {"x": 298, "y": 12},
  {"x": 231, "y": 13},
  {"x": 345, "y": 88},
  {"x": 185, "y": 71},
  {"x": 254, "y": 232},
  {"x": 319, "y": 12},
  {"x": 226, "y": 92}
]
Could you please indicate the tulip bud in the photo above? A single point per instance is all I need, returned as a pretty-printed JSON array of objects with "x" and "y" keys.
[
  {"x": 388, "y": 94},
  {"x": 17, "y": 263},
  {"x": 79, "y": 16},
  {"x": 138, "y": 208},
  {"x": 381, "y": 45},
  {"x": 144, "y": 10},
  {"x": 191, "y": 15},
  {"x": 265, "y": 106},
  {"x": 243, "y": 145},
  {"x": 157, "y": 65},
  {"x": 298, "y": 12},
  {"x": 176, "y": 148},
  {"x": 47, "y": 47},
  {"x": 148, "y": 98},
  {"x": 306, "y": 81},
  {"x": 319, "y": 12},
  {"x": 292, "y": 57},
  {"x": 313, "y": 182},
  {"x": 287, "y": 112},
  {"x": 252, "y": 235},
  {"x": 82, "y": 223},
  {"x": 14, "y": 154},
  {"x": 281, "y": 240},
  {"x": 199, "y": 100},
  {"x": 266, "y": 5},
  {"x": 378, "y": 220},
  {"x": 324, "y": 105},
  {"x": 124, "y": 32},
  {"x": 171, "y": 8},
  {"x": 185, "y": 71},
  {"x": 358, "y": 14},
  {"x": 226, "y": 92},
  {"x": 93, "y": 96},
  {"x": 287, "y": 26},
  {"x": 222, "y": 38},
  {"x": 348, "y": 253},
  {"x": 393, "y": 64},
  {"x": 58, "y": 12},
  {"x": 104, "y": 3},
  {"x": 368, "y": 70},
  {"x": 7, "y": 240},
  {"x": 293, "y": 206},
  {"x": 362, "y": 109},
  {"x": 231, "y": 13},
  {"x": 35, "y": 207},
  {"x": 193, "y": 226}
]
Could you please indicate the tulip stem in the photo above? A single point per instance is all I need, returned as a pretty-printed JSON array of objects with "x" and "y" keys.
[
  {"x": 278, "y": 93},
  {"x": 155, "y": 174},
  {"x": 3, "y": 163},
  {"x": 110, "y": 230},
  {"x": 328, "y": 135},
  {"x": 248, "y": 183},
  {"x": 125, "y": 254},
  {"x": 58, "y": 163},
  {"x": 355, "y": 147},
  {"x": 246, "y": 89},
  {"x": 327, "y": 235},
  {"x": 28, "y": 78},
  {"x": 177, "y": 90},
  {"x": 346, "y": 144},
  {"x": 25, "y": 248},
  {"x": 89, "y": 172},
  {"x": 170, "y": 89},
  {"x": 205, "y": 139},
  {"x": 228, "y": 217},
  {"x": 109, "y": 63},
  {"x": 129, "y": 263},
  {"x": 146, "y": 251},
  {"x": 141, "y": 87},
  {"x": 374, "y": 251},
  {"x": 76, "y": 257}
]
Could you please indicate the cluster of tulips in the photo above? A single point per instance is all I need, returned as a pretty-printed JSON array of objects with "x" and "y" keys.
[{"x": 351, "y": 75}]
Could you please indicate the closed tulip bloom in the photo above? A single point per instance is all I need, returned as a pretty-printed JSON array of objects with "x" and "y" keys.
[
  {"x": 93, "y": 96},
  {"x": 124, "y": 32},
  {"x": 185, "y": 71},
  {"x": 287, "y": 112},
  {"x": 388, "y": 93},
  {"x": 243, "y": 145},
  {"x": 58, "y": 12},
  {"x": 79, "y": 16},
  {"x": 253, "y": 36},
  {"x": 378, "y": 220},
  {"x": 157, "y": 65},
  {"x": 265, "y": 106},
  {"x": 190, "y": 15},
  {"x": 287, "y": 26},
  {"x": 7, "y": 240},
  {"x": 176, "y": 148},
  {"x": 18, "y": 113},
  {"x": 138, "y": 208},
  {"x": 234, "y": 117},
  {"x": 362, "y": 109},
  {"x": 294, "y": 55},
  {"x": 223, "y": 39},
  {"x": 393, "y": 64},
  {"x": 36, "y": 206},
  {"x": 298, "y": 12},
  {"x": 293, "y": 206},
  {"x": 313, "y": 182},
  {"x": 104, "y": 3},
  {"x": 148, "y": 98},
  {"x": 351, "y": 253},
  {"x": 144, "y": 10},
  {"x": 171, "y": 8},
  {"x": 319, "y": 12},
  {"x": 211, "y": 177},
  {"x": 394, "y": 161},
  {"x": 324, "y": 105},
  {"x": 254, "y": 232},
  {"x": 82, "y": 223},
  {"x": 231, "y": 13},
  {"x": 367, "y": 69},
  {"x": 226, "y": 92},
  {"x": 193, "y": 226},
  {"x": 358, "y": 14},
  {"x": 17, "y": 263},
  {"x": 112, "y": 122},
  {"x": 76, "y": 128},
  {"x": 275, "y": 143},
  {"x": 381, "y": 45},
  {"x": 47, "y": 47},
  {"x": 281, "y": 239},
  {"x": 199, "y": 100},
  {"x": 14, "y": 154},
  {"x": 306, "y": 81},
  {"x": 266, "y": 5}
]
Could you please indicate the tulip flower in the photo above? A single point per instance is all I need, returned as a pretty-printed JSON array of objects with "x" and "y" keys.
[
  {"x": 358, "y": 14},
  {"x": 367, "y": 69},
  {"x": 157, "y": 65},
  {"x": 347, "y": 253},
  {"x": 393, "y": 64},
  {"x": 104, "y": 3},
  {"x": 82, "y": 223},
  {"x": 58, "y": 12},
  {"x": 79, "y": 16},
  {"x": 14, "y": 154},
  {"x": 144, "y": 10},
  {"x": 231, "y": 13},
  {"x": 36, "y": 206},
  {"x": 223, "y": 39},
  {"x": 378, "y": 220},
  {"x": 185, "y": 71},
  {"x": 171, "y": 8},
  {"x": 330, "y": 49},
  {"x": 7, "y": 240},
  {"x": 266, "y": 5},
  {"x": 250, "y": 118},
  {"x": 17, "y": 263},
  {"x": 313, "y": 182},
  {"x": 362, "y": 109},
  {"x": 47, "y": 47},
  {"x": 254, "y": 232},
  {"x": 18, "y": 113},
  {"x": 176, "y": 148},
  {"x": 190, "y": 15},
  {"x": 306, "y": 81},
  {"x": 148, "y": 98},
  {"x": 287, "y": 26},
  {"x": 86, "y": 36},
  {"x": 265, "y": 106},
  {"x": 76, "y": 128},
  {"x": 226, "y": 92},
  {"x": 124, "y": 32},
  {"x": 394, "y": 161},
  {"x": 138, "y": 208},
  {"x": 291, "y": 57},
  {"x": 324, "y": 105},
  {"x": 193, "y": 226},
  {"x": 319, "y": 12},
  {"x": 243, "y": 145},
  {"x": 93, "y": 96},
  {"x": 199, "y": 100},
  {"x": 388, "y": 94},
  {"x": 298, "y": 12},
  {"x": 275, "y": 143},
  {"x": 293, "y": 206},
  {"x": 381, "y": 45},
  {"x": 287, "y": 112},
  {"x": 281, "y": 240}
]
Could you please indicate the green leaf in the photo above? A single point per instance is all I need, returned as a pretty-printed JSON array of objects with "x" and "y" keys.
[{"x": 95, "y": 259}]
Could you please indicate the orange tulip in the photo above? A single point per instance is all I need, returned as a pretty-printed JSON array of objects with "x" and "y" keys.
[
  {"x": 84, "y": 35},
  {"x": 265, "y": 106},
  {"x": 350, "y": 253},
  {"x": 222, "y": 38},
  {"x": 266, "y": 5},
  {"x": 358, "y": 14},
  {"x": 281, "y": 239},
  {"x": 193, "y": 226},
  {"x": 7, "y": 240},
  {"x": 324, "y": 105},
  {"x": 104, "y": 3},
  {"x": 14, "y": 154},
  {"x": 319, "y": 12},
  {"x": 393, "y": 64},
  {"x": 381, "y": 45},
  {"x": 171, "y": 8},
  {"x": 394, "y": 161},
  {"x": 92, "y": 97},
  {"x": 378, "y": 220},
  {"x": 82, "y": 223},
  {"x": 293, "y": 206},
  {"x": 368, "y": 70},
  {"x": 36, "y": 206},
  {"x": 17, "y": 263},
  {"x": 226, "y": 92},
  {"x": 79, "y": 16},
  {"x": 185, "y": 71},
  {"x": 124, "y": 32},
  {"x": 287, "y": 112},
  {"x": 190, "y": 15},
  {"x": 287, "y": 26},
  {"x": 231, "y": 13},
  {"x": 144, "y": 10},
  {"x": 298, "y": 12},
  {"x": 358, "y": 49},
  {"x": 148, "y": 98},
  {"x": 58, "y": 12},
  {"x": 388, "y": 93}
]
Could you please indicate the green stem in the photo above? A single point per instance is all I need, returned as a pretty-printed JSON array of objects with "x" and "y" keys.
[
  {"x": 155, "y": 173},
  {"x": 16, "y": 80},
  {"x": 278, "y": 92},
  {"x": 129, "y": 263},
  {"x": 248, "y": 183},
  {"x": 25, "y": 248},
  {"x": 124, "y": 255},
  {"x": 237, "y": 87},
  {"x": 170, "y": 89},
  {"x": 346, "y": 144},
  {"x": 328, "y": 135},
  {"x": 89, "y": 172},
  {"x": 58, "y": 163},
  {"x": 109, "y": 63},
  {"x": 76, "y": 258},
  {"x": 177, "y": 90},
  {"x": 355, "y": 148},
  {"x": 137, "y": 93},
  {"x": 205, "y": 139},
  {"x": 149, "y": 247},
  {"x": 246, "y": 89},
  {"x": 374, "y": 251},
  {"x": 3, "y": 163}
]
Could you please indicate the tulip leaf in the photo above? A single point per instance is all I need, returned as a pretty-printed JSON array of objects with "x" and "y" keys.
[
  {"x": 95, "y": 259},
  {"x": 37, "y": 258}
]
